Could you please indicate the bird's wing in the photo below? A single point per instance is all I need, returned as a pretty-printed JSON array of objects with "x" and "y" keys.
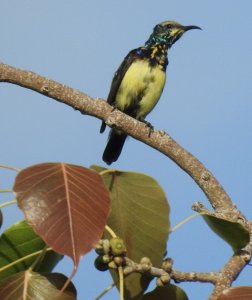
[
  {"x": 117, "y": 79},
  {"x": 119, "y": 74}
]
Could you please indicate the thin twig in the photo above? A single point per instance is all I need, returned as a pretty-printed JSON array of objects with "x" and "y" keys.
[
  {"x": 8, "y": 203},
  {"x": 110, "y": 231},
  {"x": 107, "y": 289},
  {"x": 10, "y": 168},
  {"x": 185, "y": 221},
  {"x": 177, "y": 276},
  {"x": 121, "y": 282},
  {"x": 6, "y": 191}
]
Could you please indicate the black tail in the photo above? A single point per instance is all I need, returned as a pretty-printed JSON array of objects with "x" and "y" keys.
[
  {"x": 103, "y": 126},
  {"x": 114, "y": 146}
]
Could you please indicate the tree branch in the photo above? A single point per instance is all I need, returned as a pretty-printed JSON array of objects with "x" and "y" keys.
[
  {"x": 158, "y": 140},
  {"x": 221, "y": 280},
  {"x": 230, "y": 272},
  {"x": 177, "y": 276}
]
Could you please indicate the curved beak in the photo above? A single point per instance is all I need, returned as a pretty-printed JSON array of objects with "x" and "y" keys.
[{"x": 189, "y": 27}]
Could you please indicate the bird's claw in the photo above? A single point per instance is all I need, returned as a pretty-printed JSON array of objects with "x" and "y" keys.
[{"x": 151, "y": 128}]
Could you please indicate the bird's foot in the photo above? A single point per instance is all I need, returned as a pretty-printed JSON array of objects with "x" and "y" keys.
[
  {"x": 113, "y": 108},
  {"x": 151, "y": 128}
]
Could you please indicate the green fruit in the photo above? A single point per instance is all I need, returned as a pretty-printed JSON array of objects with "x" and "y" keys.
[{"x": 117, "y": 246}]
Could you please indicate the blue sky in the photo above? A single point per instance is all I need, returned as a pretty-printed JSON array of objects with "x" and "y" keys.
[{"x": 206, "y": 107}]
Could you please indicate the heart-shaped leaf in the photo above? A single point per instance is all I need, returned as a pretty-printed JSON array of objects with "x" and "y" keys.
[
  {"x": 67, "y": 205},
  {"x": 170, "y": 291},
  {"x": 140, "y": 216},
  {"x": 18, "y": 241},
  {"x": 237, "y": 293},
  {"x": 30, "y": 285},
  {"x": 231, "y": 232}
]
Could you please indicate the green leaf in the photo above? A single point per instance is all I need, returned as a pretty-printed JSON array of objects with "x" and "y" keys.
[
  {"x": 232, "y": 232},
  {"x": 140, "y": 216},
  {"x": 30, "y": 285},
  {"x": 18, "y": 241},
  {"x": 168, "y": 292}
]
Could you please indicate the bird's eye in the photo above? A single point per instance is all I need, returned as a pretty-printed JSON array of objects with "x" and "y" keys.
[{"x": 168, "y": 26}]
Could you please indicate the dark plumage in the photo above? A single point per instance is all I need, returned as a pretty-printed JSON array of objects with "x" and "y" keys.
[{"x": 139, "y": 81}]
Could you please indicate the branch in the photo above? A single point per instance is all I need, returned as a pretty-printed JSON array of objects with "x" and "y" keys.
[
  {"x": 230, "y": 272},
  {"x": 221, "y": 280},
  {"x": 158, "y": 140},
  {"x": 177, "y": 276}
]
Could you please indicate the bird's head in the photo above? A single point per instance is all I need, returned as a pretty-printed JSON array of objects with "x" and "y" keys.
[{"x": 168, "y": 32}]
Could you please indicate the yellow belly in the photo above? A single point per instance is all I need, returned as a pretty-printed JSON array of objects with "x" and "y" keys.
[{"x": 142, "y": 87}]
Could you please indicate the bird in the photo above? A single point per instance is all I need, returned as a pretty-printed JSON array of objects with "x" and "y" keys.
[{"x": 139, "y": 81}]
